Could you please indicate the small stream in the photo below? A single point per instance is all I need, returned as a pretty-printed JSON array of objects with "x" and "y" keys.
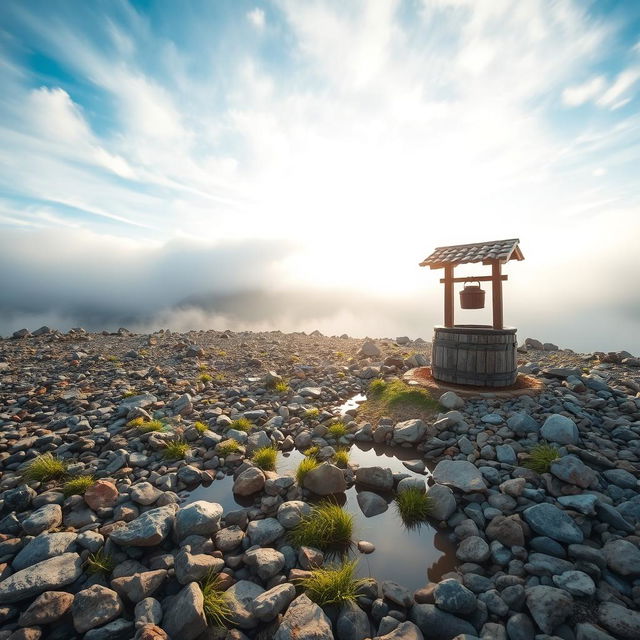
[{"x": 411, "y": 557}]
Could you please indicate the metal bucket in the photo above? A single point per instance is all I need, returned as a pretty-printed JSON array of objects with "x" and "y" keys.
[{"x": 472, "y": 297}]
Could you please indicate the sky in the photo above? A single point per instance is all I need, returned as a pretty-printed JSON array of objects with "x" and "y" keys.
[{"x": 286, "y": 165}]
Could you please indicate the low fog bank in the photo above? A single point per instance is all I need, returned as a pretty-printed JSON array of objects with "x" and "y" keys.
[
  {"x": 65, "y": 279},
  {"x": 335, "y": 313}
]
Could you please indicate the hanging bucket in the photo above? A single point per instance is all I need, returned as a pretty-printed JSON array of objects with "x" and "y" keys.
[{"x": 472, "y": 296}]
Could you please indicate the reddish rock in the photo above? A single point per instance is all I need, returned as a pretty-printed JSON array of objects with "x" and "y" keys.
[
  {"x": 151, "y": 632},
  {"x": 102, "y": 494}
]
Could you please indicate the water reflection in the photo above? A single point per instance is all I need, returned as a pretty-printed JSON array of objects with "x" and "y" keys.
[{"x": 411, "y": 557}]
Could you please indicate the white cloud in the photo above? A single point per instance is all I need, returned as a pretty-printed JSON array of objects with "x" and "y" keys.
[
  {"x": 257, "y": 18},
  {"x": 614, "y": 96},
  {"x": 585, "y": 92}
]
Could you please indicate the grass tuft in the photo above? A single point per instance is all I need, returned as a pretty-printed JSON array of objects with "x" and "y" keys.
[
  {"x": 200, "y": 427},
  {"x": 136, "y": 422},
  {"x": 312, "y": 452},
  {"x": 78, "y": 485},
  {"x": 130, "y": 393},
  {"x": 45, "y": 467},
  {"x": 99, "y": 562},
  {"x": 281, "y": 386},
  {"x": 227, "y": 447},
  {"x": 414, "y": 506},
  {"x": 175, "y": 449},
  {"x": 265, "y": 458},
  {"x": 241, "y": 424},
  {"x": 306, "y": 465},
  {"x": 333, "y": 585},
  {"x": 314, "y": 412},
  {"x": 337, "y": 430},
  {"x": 541, "y": 457},
  {"x": 216, "y": 602},
  {"x": 342, "y": 458},
  {"x": 397, "y": 393},
  {"x": 328, "y": 527},
  {"x": 205, "y": 377},
  {"x": 152, "y": 425}
]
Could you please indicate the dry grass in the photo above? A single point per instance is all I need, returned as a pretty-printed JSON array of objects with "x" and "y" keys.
[{"x": 398, "y": 401}]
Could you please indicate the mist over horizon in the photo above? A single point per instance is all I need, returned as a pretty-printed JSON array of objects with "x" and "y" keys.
[{"x": 285, "y": 165}]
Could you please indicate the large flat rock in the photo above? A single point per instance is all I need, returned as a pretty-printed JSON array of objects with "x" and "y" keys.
[{"x": 459, "y": 474}]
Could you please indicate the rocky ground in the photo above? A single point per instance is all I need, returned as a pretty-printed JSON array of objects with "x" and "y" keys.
[{"x": 550, "y": 555}]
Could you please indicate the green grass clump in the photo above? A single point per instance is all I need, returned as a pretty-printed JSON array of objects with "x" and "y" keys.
[
  {"x": 241, "y": 424},
  {"x": 332, "y": 585},
  {"x": 205, "y": 377},
  {"x": 136, "y": 422},
  {"x": 99, "y": 562},
  {"x": 227, "y": 447},
  {"x": 113, "y": 359},
  {"x": 398, "y": 394},
  {"x": 306, "y": 465},
  {"x": 341, "y": 458},
  {"x": 152, "y": 425},
  {"x": 281, "y": 387},
  {"x": 45, "y": 467},
  {"x": 216, "y": 602},
  {"x": 130, "y": 393},
  {"x": 312, "y": 452},
  {"x": 78, "y": 485},
  {"x": 175, "y": 449},
  {"x": 541, "y": 457},
  {"x": 328, "y": 527},
  {"x": 200, "y": 427},
  {"x": 337, "y": 430},
  {"x": 376, "y": 387},
  {"x": 265, "y": 458},
  {"x": 314, "y": 412},
  {"x": 414, "y": 506}
]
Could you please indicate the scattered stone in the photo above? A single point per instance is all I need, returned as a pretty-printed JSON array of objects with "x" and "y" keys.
[
  {"x": 324, "y": 480},
  {"x": 459, "y": 474},
  {"x": 549, "y": 606},
  {"x": 548, "y": 520},
  {"x": 95, "y": 606}
]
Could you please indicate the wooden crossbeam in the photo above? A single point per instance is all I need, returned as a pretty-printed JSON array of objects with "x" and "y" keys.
[{"x": 474, "y": 278}]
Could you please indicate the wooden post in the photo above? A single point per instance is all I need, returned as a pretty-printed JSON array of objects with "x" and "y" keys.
[
  {"x": 448, "y": 296},
  {"x": 496, "y": 288}
]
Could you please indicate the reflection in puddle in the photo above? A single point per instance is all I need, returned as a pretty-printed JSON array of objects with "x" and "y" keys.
[
  {"x": 411, "y": 557},
  {"x": 351, "y": 403}
]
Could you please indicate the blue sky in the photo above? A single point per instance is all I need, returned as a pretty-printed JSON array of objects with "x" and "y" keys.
[{"x": 155, "y": 153}]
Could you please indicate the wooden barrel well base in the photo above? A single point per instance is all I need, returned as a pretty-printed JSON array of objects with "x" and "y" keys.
[{"x": 475, "y": 355}]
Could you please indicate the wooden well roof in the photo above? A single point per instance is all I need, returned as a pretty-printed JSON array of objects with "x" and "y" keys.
[{"x": 486, "y": 252}]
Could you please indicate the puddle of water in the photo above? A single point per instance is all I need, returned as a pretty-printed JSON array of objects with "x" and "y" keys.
[
  {"x": 411, "y": 557},
  {"x": 351, "y": 403}
]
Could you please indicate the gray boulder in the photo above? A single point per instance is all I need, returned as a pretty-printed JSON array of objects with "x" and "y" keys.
[
  {"x": 200, "y": 518},
  {"x": 270, "y": 603},
  {"x": 324, "y": 480},
  {"x": 548, "y": 520},
  {"x": 436, "y": 624},
  {"x": 304, "y": 620},
  {"x": 44, "y": 546},
  {"x": 376, "y": 478},
  {"x": 572, "y": 470},
  {"x": 47, "y": 517},
  {"x": 371, "y": 504},
  {"x": 453, "y": 597},
  {"x": 619, "y": 620},
  {"x": 459, "y": 474},
  {"x": 249, "y": 481},
  {"x": 409, "y": 431},
  {"x": 147, "y": 530},
  {"x": 291, "y": 513},
  {"x": 443, "y": 502},
  {"x": 264, "y": 532},
  {"x": 353, "y": 623},
  {"x": 560, "y": 429},
  {"x": 549, "y": 606},
  {"x": 95, "y": 606},
  {"x": 241, "y": 597},
  {"x": 404, "y": 631},
  {"x": 184, "y": 615},
  {"x": 522, "y": 423},
  {"x": 47, "y": 575},
  {"x": 623, "y": 557}
]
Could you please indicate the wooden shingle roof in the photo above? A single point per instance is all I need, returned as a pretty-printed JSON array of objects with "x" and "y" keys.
[{"x": 486, "y": 252}]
